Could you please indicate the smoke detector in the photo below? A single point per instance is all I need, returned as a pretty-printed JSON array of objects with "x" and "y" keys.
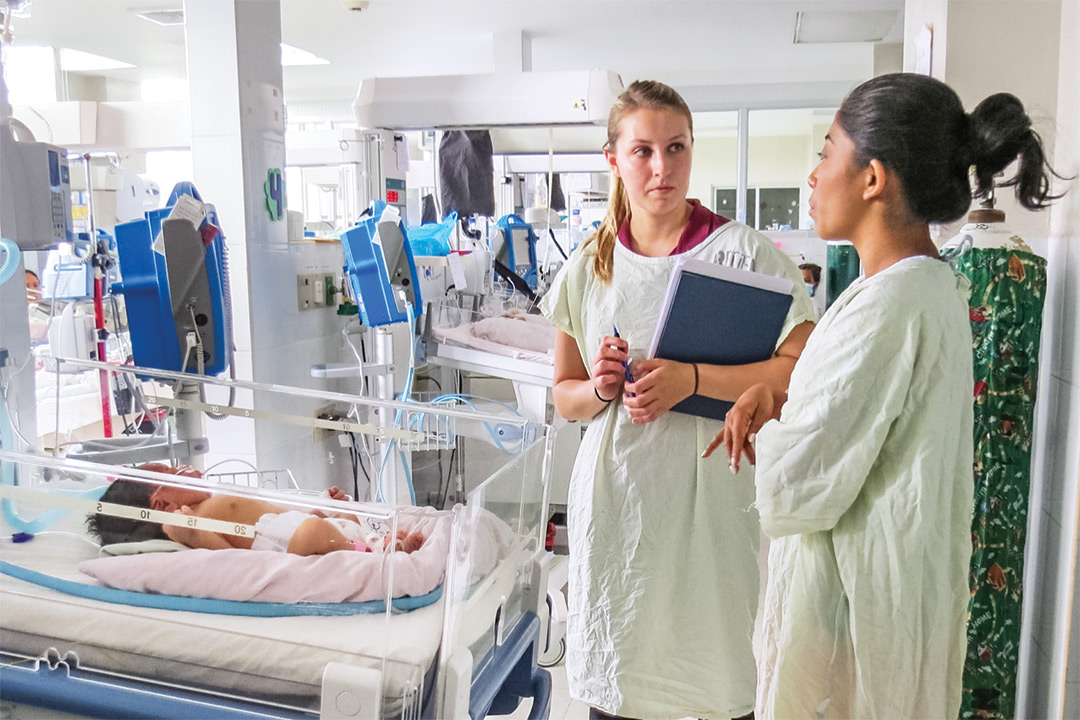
[{"x": 356, "y": 5}]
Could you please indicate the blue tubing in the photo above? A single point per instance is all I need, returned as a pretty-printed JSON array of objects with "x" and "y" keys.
[{"x": 11, "y": 264}]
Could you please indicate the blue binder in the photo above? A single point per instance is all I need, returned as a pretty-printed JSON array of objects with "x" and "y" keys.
[{"x": 719, "y": 315}]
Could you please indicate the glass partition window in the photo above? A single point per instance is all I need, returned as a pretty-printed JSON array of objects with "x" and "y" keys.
[
  {"x": 770, "y": 208},
  {"x": 782, "y": 153}
]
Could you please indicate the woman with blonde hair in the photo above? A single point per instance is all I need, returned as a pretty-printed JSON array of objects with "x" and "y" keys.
[{"x": 664, "y": 579}]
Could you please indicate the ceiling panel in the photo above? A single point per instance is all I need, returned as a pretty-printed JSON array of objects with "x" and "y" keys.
[{"x": 686, "y": 43}]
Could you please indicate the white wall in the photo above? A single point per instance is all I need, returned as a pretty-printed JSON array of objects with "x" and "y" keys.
[
  {"x": 919, "y": 13},
  {"x": 1009, "y": 47},
  {"x": 1051, "y": 644},
  {"x": 1029, "y": 48}
]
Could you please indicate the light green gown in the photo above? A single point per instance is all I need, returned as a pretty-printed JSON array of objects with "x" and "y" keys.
[
  {"x": 663, "y": 545},
  {"x": 866, "y": 484}
]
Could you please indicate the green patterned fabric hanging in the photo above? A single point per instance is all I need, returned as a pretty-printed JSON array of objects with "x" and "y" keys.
[{"x": 1008, "y": 289}]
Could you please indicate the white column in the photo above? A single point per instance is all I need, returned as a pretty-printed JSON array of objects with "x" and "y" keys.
[
  {"x": 237, "y": 137},
  {"x": 17, "y": 372}
]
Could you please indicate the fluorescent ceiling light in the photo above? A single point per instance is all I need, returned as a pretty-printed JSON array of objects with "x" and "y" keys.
[
  {"x": 837, "y": 27},
  {"x": 165, "y": 18},
  {"x": 293, "y": 56},
  {"x": 79, "y": 61}
]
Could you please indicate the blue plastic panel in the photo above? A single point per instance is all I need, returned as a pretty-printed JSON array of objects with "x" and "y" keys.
[
  {"x": 67, "y": 690},
  {"x": 512, "y": 674},
  {"x": 369, "y": 276},
  {"x": 145, "y": 286}
]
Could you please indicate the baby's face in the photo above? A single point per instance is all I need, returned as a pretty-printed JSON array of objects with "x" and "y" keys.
[{"x": 171, "y": 499}]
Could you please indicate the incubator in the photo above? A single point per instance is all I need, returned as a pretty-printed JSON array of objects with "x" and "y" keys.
[
  {"x": 448, "y": 629},
  {"x": 201, "y": 620}
]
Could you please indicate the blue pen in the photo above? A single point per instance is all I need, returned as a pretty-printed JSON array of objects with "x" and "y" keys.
[{"x": 626, "y": 366}]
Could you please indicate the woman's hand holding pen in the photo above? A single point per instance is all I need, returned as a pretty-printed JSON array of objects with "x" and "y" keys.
[
  {"x": 659, "y": 386},
  {"x": 752, "y": 410},
  {"x": 608, "y": 368}
]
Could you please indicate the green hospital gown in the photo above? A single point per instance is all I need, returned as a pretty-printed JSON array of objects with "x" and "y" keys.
[{"x": 1007, "y": 294}]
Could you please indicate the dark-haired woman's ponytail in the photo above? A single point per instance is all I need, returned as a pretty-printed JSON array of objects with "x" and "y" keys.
[{"x": 1000, "y": 132}]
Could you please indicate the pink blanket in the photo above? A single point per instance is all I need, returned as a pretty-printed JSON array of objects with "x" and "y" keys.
[{"x": 264, "y": 576}]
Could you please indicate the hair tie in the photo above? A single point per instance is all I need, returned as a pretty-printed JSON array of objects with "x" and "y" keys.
[
  {"x": 597, "y": 394},
  {"x": 695, "y": 379}
]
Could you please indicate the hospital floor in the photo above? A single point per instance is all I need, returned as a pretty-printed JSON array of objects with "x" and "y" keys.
[{"x": 563, "y": 707}]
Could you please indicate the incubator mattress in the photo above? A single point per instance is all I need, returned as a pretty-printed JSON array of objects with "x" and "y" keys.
[
  {"x": 275, "y": 658},
  {"x": 528, "y": 337}
]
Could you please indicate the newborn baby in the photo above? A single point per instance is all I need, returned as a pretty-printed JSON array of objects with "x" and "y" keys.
[{"x": 277, "y": 528}]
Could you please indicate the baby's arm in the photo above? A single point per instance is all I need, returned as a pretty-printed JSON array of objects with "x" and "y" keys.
[{"x": 335, "y": 493}]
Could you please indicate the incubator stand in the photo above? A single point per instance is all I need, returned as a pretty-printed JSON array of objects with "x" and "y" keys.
[
  {"x": 401, "y": 645},
  {"x": 506, "y": 343}
]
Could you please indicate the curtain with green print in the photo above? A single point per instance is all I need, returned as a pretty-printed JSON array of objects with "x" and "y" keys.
[{"x": 1008, "y": 289}]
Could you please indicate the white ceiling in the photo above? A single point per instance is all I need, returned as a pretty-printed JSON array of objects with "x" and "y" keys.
[{"x": 707, "y": 48}]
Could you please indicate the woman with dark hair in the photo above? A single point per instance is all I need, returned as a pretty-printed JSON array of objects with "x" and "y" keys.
[
  {"x": 864, "y": 473},
  {"x": 664, "y": 579}
]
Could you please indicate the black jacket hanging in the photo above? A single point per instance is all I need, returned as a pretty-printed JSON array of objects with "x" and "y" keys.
[{"x": 466, "y": 177}]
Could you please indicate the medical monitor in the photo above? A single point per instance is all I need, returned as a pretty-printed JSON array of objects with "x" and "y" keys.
[{"x": 65, "y": 277}]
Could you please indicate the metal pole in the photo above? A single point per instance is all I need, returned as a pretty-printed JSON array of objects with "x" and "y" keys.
[{"x": 742, "y": 162}]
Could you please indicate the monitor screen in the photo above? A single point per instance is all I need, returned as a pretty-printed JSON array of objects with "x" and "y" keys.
[{"x": 64, "y": 277}]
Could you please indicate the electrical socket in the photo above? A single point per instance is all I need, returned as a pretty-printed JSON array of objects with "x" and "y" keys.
[
  {"x": 316, "y": 290},
  {"x": 327, "y": 412}
]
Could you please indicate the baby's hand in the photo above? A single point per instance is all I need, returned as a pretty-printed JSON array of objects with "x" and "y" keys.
[
  {"x": 335, "y": 493},
  {"x": 413, "y": 541},
  {"x": 180, "y": 533}
]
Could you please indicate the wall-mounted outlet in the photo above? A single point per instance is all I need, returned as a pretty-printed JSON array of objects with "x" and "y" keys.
[
  {"x": 328, "y": 412},
  {"x": 316, "y": 290}
]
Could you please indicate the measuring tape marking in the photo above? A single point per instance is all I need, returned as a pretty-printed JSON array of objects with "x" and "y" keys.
[
  {"x": 342, "y": 425},
  {"x": 134, "y": 513}
]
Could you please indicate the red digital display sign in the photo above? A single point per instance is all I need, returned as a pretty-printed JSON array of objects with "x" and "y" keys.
[{"x": 391, "y": 196}]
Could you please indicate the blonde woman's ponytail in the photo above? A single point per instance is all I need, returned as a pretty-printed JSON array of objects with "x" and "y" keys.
[{"x": 607, "y": 234}]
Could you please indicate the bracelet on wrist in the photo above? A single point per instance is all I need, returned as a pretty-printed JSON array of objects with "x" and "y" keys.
[
  {"x": 695, "y": 379},
  {"x": 598, "y": 397}
]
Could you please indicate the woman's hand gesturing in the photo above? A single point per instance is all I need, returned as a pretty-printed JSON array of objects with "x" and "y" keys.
[{"x": 752, "y": 410}]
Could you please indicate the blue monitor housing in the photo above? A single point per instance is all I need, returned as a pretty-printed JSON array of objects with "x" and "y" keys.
[
  {"x": 514, "y": 245},
  {"x": 172, "y": 295},
  {"x": 379, "y": 263}
]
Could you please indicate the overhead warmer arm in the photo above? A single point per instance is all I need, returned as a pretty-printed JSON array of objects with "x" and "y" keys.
[{"x": 545, "y": 99}]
